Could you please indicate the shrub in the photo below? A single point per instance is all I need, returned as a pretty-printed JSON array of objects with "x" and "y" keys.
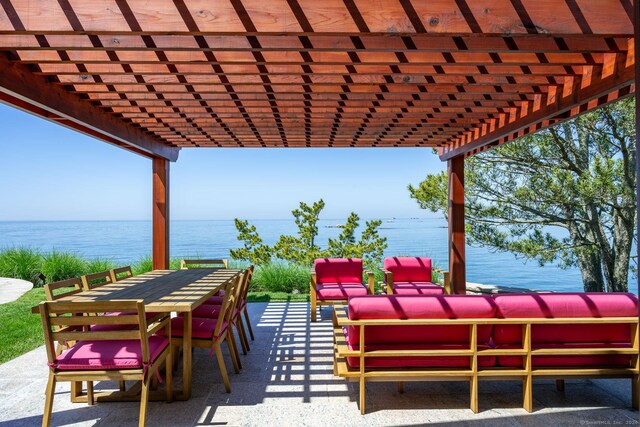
[
  {"x": 21, "y": 263},
  {"x": 281, "y": 277},
  {"x": 59, "y": 265},
  {"x": 98, "y": 264},
  {"x": 142, "y": 265}
]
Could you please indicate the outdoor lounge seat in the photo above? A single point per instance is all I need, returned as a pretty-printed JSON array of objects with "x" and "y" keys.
[
  {"x": 411, "y": 276},
  {"x": 337, "y": 279},
  {"x": 475, "y": 337},
  {"x": 134, "y": 352}
]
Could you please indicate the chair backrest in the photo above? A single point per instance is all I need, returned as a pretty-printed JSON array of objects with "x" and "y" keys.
[
  {"x": 409, "y": 269},
  {"x": 203, "y": 263},
  {"x": 248, "y": 273},
  {"x": 70, "y": 321},
  {"x": 231, "y": 295},
  {"x": 338, "y": 270},
  {"x": 95, "y": 280},
  {"x": 121, "y": 273},
  {"x": 71, "y": 286}
]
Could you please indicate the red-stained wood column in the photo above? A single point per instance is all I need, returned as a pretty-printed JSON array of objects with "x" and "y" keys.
[
  {"x": 635, "y": 384},
  {"x": 457, "y": 268},
  {"x": 160, "y": 215}
]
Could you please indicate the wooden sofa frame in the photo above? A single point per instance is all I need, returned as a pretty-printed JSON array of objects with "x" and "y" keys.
[
  {"x": 315, "y": 302},
  {"x": 474, "y": 373},
  {"x": 388, "y": 281}
]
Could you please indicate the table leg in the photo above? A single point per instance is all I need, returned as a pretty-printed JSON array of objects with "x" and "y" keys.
[{"x": 186, "y": 356}]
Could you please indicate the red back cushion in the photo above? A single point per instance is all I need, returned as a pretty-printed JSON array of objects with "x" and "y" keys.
[
  {"x": 566, "y": 305},
  {"x": 420, "y": 307},
  {"x": 338, "y": 270},
  {"x": 409, "y": 269}
]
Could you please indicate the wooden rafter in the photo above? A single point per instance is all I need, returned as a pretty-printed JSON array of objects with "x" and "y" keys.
[{"x": 459, "y": 75}]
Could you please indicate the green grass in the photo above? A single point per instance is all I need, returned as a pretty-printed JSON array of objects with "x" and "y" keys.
[
  {"x": 21, "y": 330},
  {"x": 20, "y": 263}
]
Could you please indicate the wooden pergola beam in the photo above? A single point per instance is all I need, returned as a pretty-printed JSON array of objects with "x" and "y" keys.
[
  {"x": 576, "y": 93},
  {"x": 23, "y": 89}
]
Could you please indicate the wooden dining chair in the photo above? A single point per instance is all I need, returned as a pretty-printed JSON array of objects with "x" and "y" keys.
[
  {"x": 132, "y": 353},
  {"x": 95, "y": 280},
  {"x": 211, "y": 333},
  {"x": 212, "y": 310},
  {"x": 120, "y": 273},
  {"x": 69, "y": 286},
  {"x": 203, "y": 263}
]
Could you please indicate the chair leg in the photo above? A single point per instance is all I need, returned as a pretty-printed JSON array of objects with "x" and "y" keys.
[
  {"x": 246, "y": 316},
  {"x": 527, "y": 393},
  {"x": 560, "y": 385},
  {"x": 362, "y": 392},
  {"x": 90, "y": 400},
  {"x": 123, "y": 385},
  {"x": 223, "y": 369},
  {"x": 635, "y": 387},
  {"x": 244, "y": 342},
  {"x": 48, "y": 403},
  {"x": 233, "y": 350},
  {"x": 313, "y": 304},
  {"x": 400, "y": 387},
  {"x": 144, "y": 398},
  {"x": 473, "y": 389},
  {"x": 168, "y": 366}
]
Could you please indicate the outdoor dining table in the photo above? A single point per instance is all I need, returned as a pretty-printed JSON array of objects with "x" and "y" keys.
[{"x": 166, "y": 291}]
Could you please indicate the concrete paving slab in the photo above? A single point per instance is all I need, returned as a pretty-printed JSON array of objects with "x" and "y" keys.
[
  {"x": 12, "y": 289},
  {"x": 287, "y": 380}
]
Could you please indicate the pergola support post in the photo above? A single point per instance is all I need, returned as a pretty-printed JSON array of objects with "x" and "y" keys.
[
  {"x": 457, "y": 267},
  {"x": 160, "y": 215},
  {"x": 635, "y": 386}
]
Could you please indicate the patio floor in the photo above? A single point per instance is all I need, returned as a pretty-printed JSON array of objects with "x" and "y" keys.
[{"x": 287, "y": 380}]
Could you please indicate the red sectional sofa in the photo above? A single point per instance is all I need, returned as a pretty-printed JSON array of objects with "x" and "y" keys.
[
  {"x": 412, "y": 276},
  {"x": 465, "y": 337}
]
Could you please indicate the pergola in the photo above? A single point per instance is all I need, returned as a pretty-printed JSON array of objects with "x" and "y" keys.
[{"x": 462, "y": 76}]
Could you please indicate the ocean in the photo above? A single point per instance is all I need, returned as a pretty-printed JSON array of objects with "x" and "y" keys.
[{"x": 126, "y": 241}]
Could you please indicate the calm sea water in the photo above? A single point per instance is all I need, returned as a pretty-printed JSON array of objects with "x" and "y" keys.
[{"x": 126, "y": 241}]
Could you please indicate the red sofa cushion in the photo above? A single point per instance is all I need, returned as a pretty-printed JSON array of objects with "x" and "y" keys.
[
  {"x": 408, "y": 269},
  {"x": 565, "y": 305},
  {"x": 338, "y": 270},
  {"x": 420, "y": 307},
  {"x": 335, "y": 291},
  {"x": 417, "y": 288},
  {"x": 605, "y": 360},
  {"x": 423, "y": 361},
  {"x": 109, "y": 354}
]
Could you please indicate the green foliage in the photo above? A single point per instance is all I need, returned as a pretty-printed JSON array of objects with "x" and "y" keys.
[
  {"x": 578, "y": 176},
  {"x": 59, "y": 265},
  {"x": 276, "y": 297},
  {"x": 142, "y": 265},
  {"x": 281, "y": 277},
  {"x": 253, "y": 250},
  {"x": 21, "y": 330},
  {"x": 302, "y": 249},
  {"x": 98, "y": 264},
  {"x": 21, "y": 263}
]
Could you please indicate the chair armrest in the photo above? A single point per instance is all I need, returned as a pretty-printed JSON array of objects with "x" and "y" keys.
[
  {"x": 446, "y": 282},
  {"x": 313, "y": 279},
  {"x": 388, "y": 280},
  {"x": 371, "y": 281}
]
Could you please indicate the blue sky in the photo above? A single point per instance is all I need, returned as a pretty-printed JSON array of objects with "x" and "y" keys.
[{"x": 48, "y": 172}]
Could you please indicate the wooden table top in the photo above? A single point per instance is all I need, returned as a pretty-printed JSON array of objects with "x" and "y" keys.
[{"x": 164, "y": 290}]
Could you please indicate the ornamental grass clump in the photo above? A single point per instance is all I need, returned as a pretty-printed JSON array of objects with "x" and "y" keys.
[
  {"x": 60, "y": 265},
  {"x": 281, "y": 277},
  {"x": 21, "y": 263}
]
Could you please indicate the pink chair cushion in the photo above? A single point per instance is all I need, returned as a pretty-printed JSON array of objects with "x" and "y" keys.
[
  {"x": 407, "y": 269},
  {"x": 214, "y": 300},
  {"x": 334, "y": 291},
  {"x": 605, "y": 360},
  {"x": 148, "y": 314},
  {"x": 200, "y": 327},
  {"x": 112, "y": 354},
  {"x": 566, "y": 305},
  {"x": 338, "y": 270},
  {"x": 417, "y": 288},
  {"x": 420, "y": 307},
  {"x": 420, "y": 362},
  {"x": 207, "y": 310}
]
